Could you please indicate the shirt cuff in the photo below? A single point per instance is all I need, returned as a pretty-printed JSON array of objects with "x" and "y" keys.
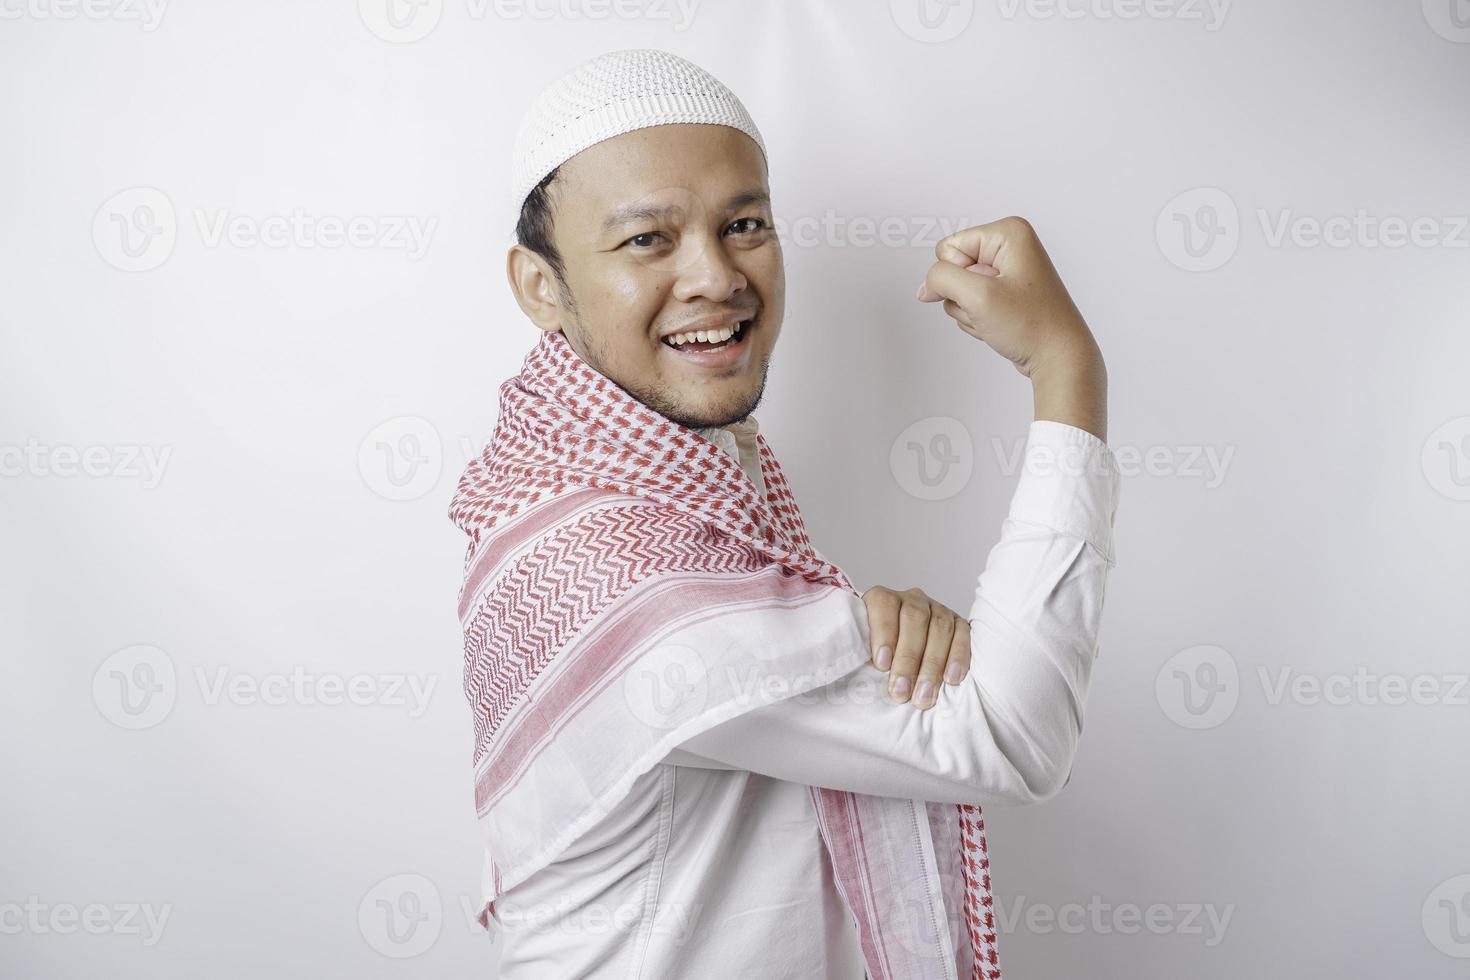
[{"x": 1069, "y": 483}]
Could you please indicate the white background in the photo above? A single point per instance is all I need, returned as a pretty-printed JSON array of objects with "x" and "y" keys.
[{"x": 1331, "y": 541}]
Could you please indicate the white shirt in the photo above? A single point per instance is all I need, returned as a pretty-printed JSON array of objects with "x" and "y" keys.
[{"x": 713, "y": 866}]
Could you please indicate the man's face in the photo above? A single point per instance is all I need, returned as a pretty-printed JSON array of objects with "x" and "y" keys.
[{"x": 663, "y": 230}]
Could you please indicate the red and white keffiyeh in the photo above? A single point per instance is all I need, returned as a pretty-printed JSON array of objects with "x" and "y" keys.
[{"x": 606, "y": 542}]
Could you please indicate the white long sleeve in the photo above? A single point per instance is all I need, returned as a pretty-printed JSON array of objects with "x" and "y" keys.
[{"x": 1006, "y": 734}]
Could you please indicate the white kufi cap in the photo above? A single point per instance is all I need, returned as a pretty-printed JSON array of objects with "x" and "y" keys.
[{"x": 613, "y": 94}]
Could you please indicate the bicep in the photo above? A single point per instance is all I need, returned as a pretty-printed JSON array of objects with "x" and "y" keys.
[
  {"x": 848, "y": 735},
  {"x": 1006, "y": 733}
]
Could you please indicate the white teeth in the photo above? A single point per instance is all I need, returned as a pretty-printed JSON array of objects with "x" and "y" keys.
[{"x": 704, "y": 336}]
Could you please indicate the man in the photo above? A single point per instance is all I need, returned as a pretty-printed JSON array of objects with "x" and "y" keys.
[{"x": 688, "y": 760}]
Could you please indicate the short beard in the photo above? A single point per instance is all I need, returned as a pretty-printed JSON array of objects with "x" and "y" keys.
[
  {"x": 658, "y": 400},
  {"x": 661, "y": 400}
]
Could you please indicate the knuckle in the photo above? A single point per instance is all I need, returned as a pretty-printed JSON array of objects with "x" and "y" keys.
[
  {"x": 914, "y": 615},
  {"x": 878, "y": 602}
]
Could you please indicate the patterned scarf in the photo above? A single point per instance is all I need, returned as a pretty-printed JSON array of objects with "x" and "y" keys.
[{"x": 605, "y": 543}]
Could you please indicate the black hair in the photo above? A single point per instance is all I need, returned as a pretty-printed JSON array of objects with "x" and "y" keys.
[{"x": 533, "y": 229}]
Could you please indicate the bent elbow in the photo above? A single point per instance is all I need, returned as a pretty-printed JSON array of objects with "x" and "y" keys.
[
  {"x": 1039, "y": 736},
  {"x": 1051, "y": 781},
  {"x": 1036, "y": 779},
  {"x": 1043, "y": 774}
]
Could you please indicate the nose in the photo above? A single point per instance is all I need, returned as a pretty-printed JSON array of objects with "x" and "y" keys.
[{"x": 708, "y": 273}]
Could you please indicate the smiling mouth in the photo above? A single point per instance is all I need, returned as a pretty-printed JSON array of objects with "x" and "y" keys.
[{"x": 693, "y": 345}]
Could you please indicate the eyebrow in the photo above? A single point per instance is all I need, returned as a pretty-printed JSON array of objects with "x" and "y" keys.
[{"x": 646, "y": 212}]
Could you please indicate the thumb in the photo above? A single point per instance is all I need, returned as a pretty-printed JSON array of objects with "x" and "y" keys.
[{"x": 965, "y": 285}]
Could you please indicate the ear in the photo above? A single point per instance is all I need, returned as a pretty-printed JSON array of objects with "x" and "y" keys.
[{"x": 534, "y": 286}]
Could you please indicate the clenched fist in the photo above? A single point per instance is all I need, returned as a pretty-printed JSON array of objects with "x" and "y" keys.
[
  {"x": 915, "y": 637},
  {"x": 1000, "y": 286}
]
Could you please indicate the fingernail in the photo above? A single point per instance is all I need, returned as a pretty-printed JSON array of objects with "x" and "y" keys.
[
  {"x": 920, "y": 293},
  {"x": 885, "y": 657},
  {"x": 953, "y": 673},
  {"x": 925, "y": 694},
  {"x": 899, "y": 689}
]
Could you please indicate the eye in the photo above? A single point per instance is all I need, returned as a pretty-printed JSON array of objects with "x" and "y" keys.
[
  {"x": 760, "y": 224},
  {"x": 640, "y": 241}
]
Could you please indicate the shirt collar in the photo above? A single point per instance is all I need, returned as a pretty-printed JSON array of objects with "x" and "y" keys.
[{"x": 729, "y": 437}]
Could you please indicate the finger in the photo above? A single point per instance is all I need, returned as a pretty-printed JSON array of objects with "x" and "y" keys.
[
  {"x": 960, "y": 653},
  {"x": 913, "y": 633},
  {"x": 946, "y": 280},
  {"x": 983, "y": 243},
  {"x": 957, "y": 311},
  {"x": 936, "y": 655},
  {"x": 882, "y": 624}
]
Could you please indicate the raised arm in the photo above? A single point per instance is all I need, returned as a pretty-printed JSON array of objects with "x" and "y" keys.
[{"x": 1008, "y": 732}]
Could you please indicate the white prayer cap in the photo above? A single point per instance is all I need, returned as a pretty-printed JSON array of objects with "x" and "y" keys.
[{"x": 612, "y": 94}]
